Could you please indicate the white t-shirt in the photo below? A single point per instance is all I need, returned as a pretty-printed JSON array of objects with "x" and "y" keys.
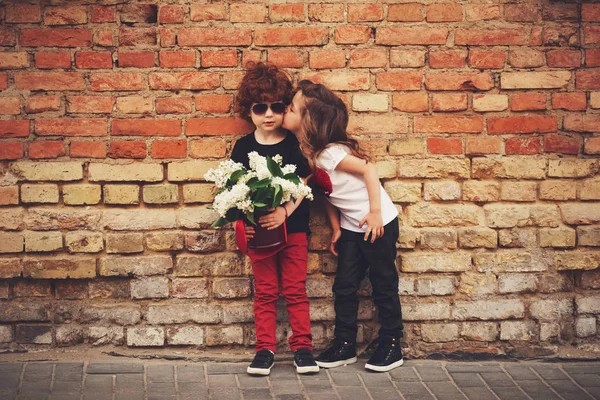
[{"x": 349, "y": 194}]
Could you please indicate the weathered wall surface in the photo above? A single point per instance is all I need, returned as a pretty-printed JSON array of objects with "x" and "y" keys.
[{"x": 483, "y": 118}]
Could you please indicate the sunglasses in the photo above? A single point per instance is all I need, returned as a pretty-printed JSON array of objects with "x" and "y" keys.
[{"x": 261, "y": 108}]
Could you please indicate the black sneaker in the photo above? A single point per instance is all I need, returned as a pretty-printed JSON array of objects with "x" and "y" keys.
[
  {"x": 340, "y": 353},
  {"x": 387, "y": 356},
  {"x": 262, "y": 363},
  {"x": 305, "y": 362}
]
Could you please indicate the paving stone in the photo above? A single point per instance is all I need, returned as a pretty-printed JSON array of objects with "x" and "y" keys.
[
  {"x": 383, "y": 393},
  {"x": 256, "y": 394},
  {"x": 347, "y": 379},
  {"x": 190, "y": 373},
  {"x": 6, "y": 368},
  {"x": 352, "y": 393},
  {"x": 98, "y": 387},
  {"x": 251, "y": 382},
  {"x": 538, "y": 390},
  {"x": 373, "y": 379},
  {"x": 37, "y": 372},
  {"x": 510, "y": 393},
  {"x": 414, "y": 390},
  {"x": 10, "y": 380},
  {"x": 161, "y": 390},
  {"x": 404, "y": 374},
  {"x": 222, "y": 381},
  {"x": 472, "y": 368},
  {"x": 497, "y": 379},
  {"x": 284, "y": 374},
  {"x": 218, "y": 368},
  {"x": 445, "y": 390},
  {"x": 285, "y": 387},
  {"x": 290, "y": 397},
  {"x": 160, "y": 373},
  {"x": 432, "y": 373},
  {"x": 568, "y": 390},
  {"x": 521, "y": 373},
  {"x": 68, "y": 372},
  {"x": 586, "y": 380},
  {"x": 114, "y": 368},
  {"x": 314, "y": 386},
  {"x": 467, "y": 380},
  {"x": 8, "y": 393},
  {"x": 192, "y": 391},
  {"x": 477, "y": 393},
  {"x": 583, "y": 368},
  {"x": 224, "y": 394},
  {"x": 550, "y": 373}
]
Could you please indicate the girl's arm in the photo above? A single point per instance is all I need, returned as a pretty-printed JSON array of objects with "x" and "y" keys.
[
  {"x": 368, "y": 171},
  {"x": 334, "y": 220}
]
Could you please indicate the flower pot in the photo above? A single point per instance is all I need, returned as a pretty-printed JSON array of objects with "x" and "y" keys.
[{"x": 264, "y": 238}]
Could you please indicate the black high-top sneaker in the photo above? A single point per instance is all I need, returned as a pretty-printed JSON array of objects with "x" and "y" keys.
[
  {"x": 340, "y": 353},
  {"x": 387, "y": 356},
  {"x": 262, "y": 363},
  {"x": 305, "y": 362}
]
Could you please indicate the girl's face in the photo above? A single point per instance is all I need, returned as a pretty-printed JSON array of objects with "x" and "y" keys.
[
  {"x": 267, "y": 117},
  {"x": 293, "y": 114}
]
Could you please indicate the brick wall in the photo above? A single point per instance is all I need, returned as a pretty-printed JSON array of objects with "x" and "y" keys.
[{"x": 483, "y": 120}]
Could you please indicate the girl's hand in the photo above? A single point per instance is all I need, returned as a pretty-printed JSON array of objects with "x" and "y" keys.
[
  {"x": 249, "y": 231},
  {"x": 335, "y": 236},
  {"x": 275, "y": 218},
  {"x": 374, "y": 226}
]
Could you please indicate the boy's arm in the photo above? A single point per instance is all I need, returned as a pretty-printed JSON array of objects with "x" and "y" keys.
[{"x": 334, "y": 220}]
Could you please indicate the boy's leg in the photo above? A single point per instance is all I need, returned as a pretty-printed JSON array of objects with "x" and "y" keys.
[
  {"x": 266, "y": 293},
  {"x": 293, "y": 259},
  {"x": 350, "y": 272}
]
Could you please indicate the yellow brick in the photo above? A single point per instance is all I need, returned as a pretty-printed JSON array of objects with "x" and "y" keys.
[
  {"x": 59, "y": 268},
  {"x": 386, "y": 169},
  {"x": 190, "y": 170},
  {"x": 47, "y": 171},
  {"x": 198, "y": 193},
  {"x": 161, "y": 194},
  {"x": 518, "y": 191},
  {"x": 555, "y": 189},
  {"x": 81, "y": 194},
  {"x": 573, "y": 168},
  {"x": 42, "y": 193},
  {"x": 43, "y": 241},
  {"x": 11, "y": 242},
  {"x": 127, "y": 172},
  {"x": 557, "y": 237},
  {"x": 406, "y": 146},
  {"x": 84, "y": 242},
  {"x": 376, "y": 102},
  {"x": 124, "y": 242},
  {"x": 121, "y": 194}
]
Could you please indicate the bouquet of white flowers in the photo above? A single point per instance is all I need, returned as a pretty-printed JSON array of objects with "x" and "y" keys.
[{"x": 244, "y": 192}]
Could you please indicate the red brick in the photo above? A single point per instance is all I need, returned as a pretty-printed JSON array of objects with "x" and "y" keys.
[
  {"x": 286, "y": 12},
  {"x": 416, "y": 35},
  {"x": 483, "y": 145},
  {"x": 65, "y": 15},
  {"x": 251, "y": 56},
  {"x": 46, "y": 149},
  {"x": 71, "y": 127},
  {"x": 117, "y": 81},
  {"x": 524, "y": 124},
  {"x": 104, "y": 14},
  {"x": 208, "y": 148},
  {"x": 350, "y": 34},
  {"x": 558, "y": 11},
  {"x": 340, "y": 80},
  {"x": 213, "y": 103},
  {"x": 536, "y": 36},
  {"x": 167, "y": 37},
  {"x": 582, "y": 122},
  {"x": 104, "y": 38},
  {"x": 521, "y": 12},
  {"x": 312, "y": 36},
  {"x": 217, "y": 126},
  {"x": 9, "y": 195},
  {"x": 3, "y": 80},
  {"x": 447, "y": 59},
  {"x": 412, "y": 12},
  {"x": 449, "y": 102},
  {"x": 232, "y": 79},
  {"x": 563, "y": 58},
  {"x": 326, "y": 12},
  {"x": 527, "y": 101},
  {"x": 561, "y": 144},
  {"x": 592, "y": 145},
  {"x": 444, "y": 12},
  {"x": 204, "y": 12},
  {"x": 523, "y": 145},
  {"x": 560, "y": 36},
  {"x": 146, "y": 127},
  {"x": 447, "y": 124},
  {"x": 241, "y": 12},
  {"x": 327, "y": 59},
  {"x": 169, "y": 149},
  {"x": 11, "y": 150},
  {"x": 410, "y": 102},
  {"x": 127, "y": 150},
  {"x": 368, "y": 58},
  {"x": 177, "y": 59},
  {"x": 53, "y": 59},
  {"x": 88, "y": 149},
  {"x": 49, "y": 81},
  {"x": 406, "y": 80},
  {"x": 285, "y": 58},
  {"x": 14, "y": 128},
  {"x": 136, "y": 59},
  {"x": 590, "y": 12},
  {"x": 569, "y": 101},
  {"x": 184, "y": 80},
  {"x": 13, "y": 60},
  {"x": 174, "y": 105},
  {"x": 8, "y": 37},
  {"x": 482, "y": 12},
  {"x": 56, "y": 37},
  {"x": 444, "y": 146},
  {"x": 490, "y": 37},
  {"x": 147, "y": 13},
  {"x": 90, "y": 104},
  {"x": 18, "y": 14},
  {"x": 526, "y": 58},
  {"x": 93, "y": 60},
  {"x": 38, "y": 104},
  {"x": 171, "y": 15},
  {"x": 587, "y": 79},
  {"x": 459, "y": 81},
  {"x": 592, "y": 57},
  {"x": 221, "y": 58},
  {"x": 214, "y": 37},
  {"x": 137, "y": 36},
  {"x": 365, "y": 12},
  {"x": 10, "y": 105}
]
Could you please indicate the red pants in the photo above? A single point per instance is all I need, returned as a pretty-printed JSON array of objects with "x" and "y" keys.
[{"x": 292, "y": 258}]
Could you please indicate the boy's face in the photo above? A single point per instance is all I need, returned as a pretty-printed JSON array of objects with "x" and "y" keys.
[
  {"x": 267, "y": 117},
  {"x": 293, "y": 116}
]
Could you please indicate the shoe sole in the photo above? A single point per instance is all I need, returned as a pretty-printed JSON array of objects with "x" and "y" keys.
[
  {"x": 306, "y": 370},
  {"x": 336, "y": 363},
  {"x": 384, "y": 368},
  {"x": 259, "y": 371}
]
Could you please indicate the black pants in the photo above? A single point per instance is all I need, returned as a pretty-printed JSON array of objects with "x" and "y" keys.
[{"x": 356, "y": 256}]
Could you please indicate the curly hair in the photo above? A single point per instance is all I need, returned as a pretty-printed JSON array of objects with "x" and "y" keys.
[{"x": 262, "y": 83}]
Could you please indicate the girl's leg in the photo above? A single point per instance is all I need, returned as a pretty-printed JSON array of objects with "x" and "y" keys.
[
  {"x": 266, "y": 293},
  {"x": 293, "y": 260},
  {"x": 350, "y": 272}
]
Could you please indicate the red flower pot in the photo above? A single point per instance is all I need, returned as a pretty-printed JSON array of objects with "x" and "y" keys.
[{"x": 264, "y": 238}]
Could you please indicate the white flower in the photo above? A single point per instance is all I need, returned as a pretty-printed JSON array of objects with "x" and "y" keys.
[
  {"x": 228, "y": 199},
  {"x": 220, "y": 175},
  {"x": 278, "y": 159},
  {"x": 289, "y": 169}
]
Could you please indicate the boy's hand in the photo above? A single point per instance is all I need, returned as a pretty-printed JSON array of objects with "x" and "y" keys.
[
  {"x": 275, "y": 218},
  {"x": 374, "y": 226},
  {"x": 249, "y": 231},
  {"x": 335, "y": 236}
]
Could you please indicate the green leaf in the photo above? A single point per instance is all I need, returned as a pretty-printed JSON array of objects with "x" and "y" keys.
[
  {"x": 220, "y": 222},
  {"x": 235, "y": 176},
  {"x": 252, "y": 181},
  {"x": 292, "y": 178},
  {"x": 277, "y": 196},
  {"x": 259, "y": 184},
  {"x": 250, "y": 218},
  {"x": 274, "y": 168},
  {"x": 259, "y": 205}
]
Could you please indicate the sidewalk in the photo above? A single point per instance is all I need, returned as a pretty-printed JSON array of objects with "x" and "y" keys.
[{"x": 418, "y": 379}]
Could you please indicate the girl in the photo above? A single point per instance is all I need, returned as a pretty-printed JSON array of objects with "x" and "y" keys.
[
  {"x": 262, "y": 98},
  {"x": 364, "y": 222}
]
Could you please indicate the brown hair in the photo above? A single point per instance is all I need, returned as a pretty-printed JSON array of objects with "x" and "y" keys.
[
  {"x": 324, "y": 121},
  {"x": 262, "y": 83}
]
